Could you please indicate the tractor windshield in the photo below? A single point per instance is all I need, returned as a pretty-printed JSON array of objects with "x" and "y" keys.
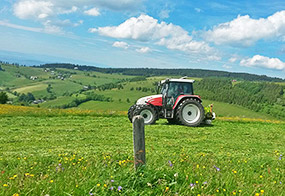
[{"x": 179, "y": 88}]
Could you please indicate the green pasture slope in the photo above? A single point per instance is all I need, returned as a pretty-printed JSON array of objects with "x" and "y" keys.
[
  {"x": 92, "y": 155},
  {"x": 17, "y": 78},
  {"x": 120, "y": 96},
  {"x": 63, "y": 92}
]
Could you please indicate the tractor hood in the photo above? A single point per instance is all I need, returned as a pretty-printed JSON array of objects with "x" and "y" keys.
[{"x": 153, "y": 99}]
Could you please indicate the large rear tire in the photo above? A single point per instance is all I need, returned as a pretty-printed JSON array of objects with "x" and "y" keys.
[
  {"x": 131, "y": 112},
  {"x": 147, "y": 112},
  {"x": 190, "y": 112}
]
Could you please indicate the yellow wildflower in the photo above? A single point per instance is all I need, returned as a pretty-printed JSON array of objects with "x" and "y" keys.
[
  {"x": 166, "y": 189},
  {"x": 5, "y": 185},
  {"x": 98, "y": 185}
]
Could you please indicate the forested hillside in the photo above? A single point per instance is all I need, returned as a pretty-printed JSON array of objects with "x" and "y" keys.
[
  {"x": 168, "y": 72},
  {"x": 257, "y": 96}
]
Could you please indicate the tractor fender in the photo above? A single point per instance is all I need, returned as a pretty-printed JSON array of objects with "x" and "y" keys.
[
  {"x": 180, "y": 98},
  {"x": 155, "y": 100}
]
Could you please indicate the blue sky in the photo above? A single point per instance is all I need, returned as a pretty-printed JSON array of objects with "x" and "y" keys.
[{"x": 236, "y": 36}]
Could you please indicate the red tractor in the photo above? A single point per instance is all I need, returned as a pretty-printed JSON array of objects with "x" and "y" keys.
[{"x": 176, "y": 103}]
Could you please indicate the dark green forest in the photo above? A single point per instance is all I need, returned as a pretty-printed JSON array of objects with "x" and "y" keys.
[
  {"x": 258, "y": 96},
  {"x": 169, "y": 72}
]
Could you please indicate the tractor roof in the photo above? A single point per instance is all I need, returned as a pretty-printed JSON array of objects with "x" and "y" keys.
[{"x": 178, "y": 80}]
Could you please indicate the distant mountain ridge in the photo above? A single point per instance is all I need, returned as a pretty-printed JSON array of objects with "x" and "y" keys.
[{"x": 202, "y": 73}]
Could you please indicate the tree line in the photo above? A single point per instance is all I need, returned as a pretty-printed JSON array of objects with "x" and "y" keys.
[
  {"x": 159, "y": 72},
  {"x": 258, "y": 96}
]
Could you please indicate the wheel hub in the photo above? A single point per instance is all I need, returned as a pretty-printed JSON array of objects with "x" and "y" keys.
[
  {"x": 147, "y": 115},
  {"x": 191, "y": 113}
]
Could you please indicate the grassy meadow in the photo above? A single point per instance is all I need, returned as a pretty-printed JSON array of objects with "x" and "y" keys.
[
  {"x": 87, "y": 149},
  {"x": 73, "y": 152}
]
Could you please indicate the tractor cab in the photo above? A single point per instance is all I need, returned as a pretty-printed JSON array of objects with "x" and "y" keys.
[{"x": 171, "y": 90}]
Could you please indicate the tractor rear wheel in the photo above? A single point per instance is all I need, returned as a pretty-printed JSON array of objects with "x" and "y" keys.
[
  {"x": 131, "y": 112},
  {"x": 190, "y": 112},
  {"x": 147, "y": 112}
]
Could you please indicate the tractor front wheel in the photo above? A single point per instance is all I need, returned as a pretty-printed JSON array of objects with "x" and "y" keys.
[
  {"x": 147, "y": 112},
  {"x": 190, "y": 112},
  {"x": 131, "y": 112}
]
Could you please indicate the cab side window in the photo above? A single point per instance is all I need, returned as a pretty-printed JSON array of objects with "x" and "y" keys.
[{"x": 164, "y": 89}]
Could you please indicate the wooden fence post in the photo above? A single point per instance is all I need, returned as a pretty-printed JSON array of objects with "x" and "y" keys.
[{"x": 139, "y": 141}]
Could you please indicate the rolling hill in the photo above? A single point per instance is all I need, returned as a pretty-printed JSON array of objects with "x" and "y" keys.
[{"x": 53, "y": 86}]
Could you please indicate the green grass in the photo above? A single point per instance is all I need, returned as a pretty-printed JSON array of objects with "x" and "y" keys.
[
  {"x": 26, "y": 89},
  {"x": 221, "y": 109},
  {"x": 230, "y": 110},
  {"x": 57, "y": 103},
  {"x": 5, "y": 77},
  {"x": 17, "y": 79},
  {"x": 100, "y": 105},
  {"x": 76, "y": 155}
]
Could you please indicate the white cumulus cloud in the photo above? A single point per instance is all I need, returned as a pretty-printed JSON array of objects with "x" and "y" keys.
[
  {"x": 92, "y": 12},
  {"x": 33, "y": 9},
  {"x": 44, "y": 11},
  {"x": 245, "y": 30},
  {"x": 143, "y": 50},
  {"x": 146, "y": 28},
  {"x": 121, "y": 45},
  {"x": 262, "y": 61}
]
